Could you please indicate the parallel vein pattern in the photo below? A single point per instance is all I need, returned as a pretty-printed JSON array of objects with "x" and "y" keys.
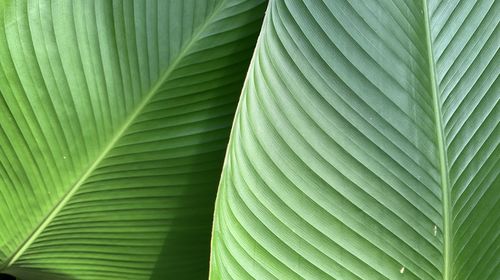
[
  {"x": 114, "y": 117},
  {"x": 333, "y": 168},
  {"x": 467, "y": 40}
]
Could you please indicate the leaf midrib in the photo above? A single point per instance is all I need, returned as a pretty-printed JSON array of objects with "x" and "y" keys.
[
  {"x": 119, "y": 134},
  {"x": 443, "y": 161}
]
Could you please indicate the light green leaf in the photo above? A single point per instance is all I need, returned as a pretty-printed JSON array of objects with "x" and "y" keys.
[
  {"x": 365, "y": 145},
  {"x": 114, "y": 118}
]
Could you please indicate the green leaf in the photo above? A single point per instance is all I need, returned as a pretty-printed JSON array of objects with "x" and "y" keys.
[
  {"x": 366, "y": 145},
  {"x": 114, "y": 119}
]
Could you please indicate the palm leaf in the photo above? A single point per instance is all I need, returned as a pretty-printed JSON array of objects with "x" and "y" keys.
[
  {"x": 365, "y": 145},
  {"x": 114, "y": 118}
]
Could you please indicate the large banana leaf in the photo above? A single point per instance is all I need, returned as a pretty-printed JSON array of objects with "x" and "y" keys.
[
  {"x": 365, "y": 145},
  {"x": 114, "y": 118}
]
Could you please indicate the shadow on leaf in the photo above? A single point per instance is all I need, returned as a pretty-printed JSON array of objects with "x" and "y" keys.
[{"x": 19, "y": 273}]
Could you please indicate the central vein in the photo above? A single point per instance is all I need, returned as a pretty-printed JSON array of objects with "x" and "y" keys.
[
  {"x": 118, "y": 135},
  {"x": 443, "y": 161}
]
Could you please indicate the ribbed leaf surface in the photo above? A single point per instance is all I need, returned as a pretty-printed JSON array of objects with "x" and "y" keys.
[
  {"x": 365, "y": 145},
  {"x": 114, "y": 118}
]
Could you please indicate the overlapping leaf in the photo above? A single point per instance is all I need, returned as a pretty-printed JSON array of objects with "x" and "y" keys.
[{"x": 365, "y": 145}]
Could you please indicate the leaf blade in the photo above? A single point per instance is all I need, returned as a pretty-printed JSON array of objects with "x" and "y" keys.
[
  {"x": 147, "y": 145},
  {"x": 333, "y": 168}
]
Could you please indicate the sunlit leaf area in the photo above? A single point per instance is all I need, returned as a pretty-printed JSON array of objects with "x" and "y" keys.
[{"x": 249, "y": 139}]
